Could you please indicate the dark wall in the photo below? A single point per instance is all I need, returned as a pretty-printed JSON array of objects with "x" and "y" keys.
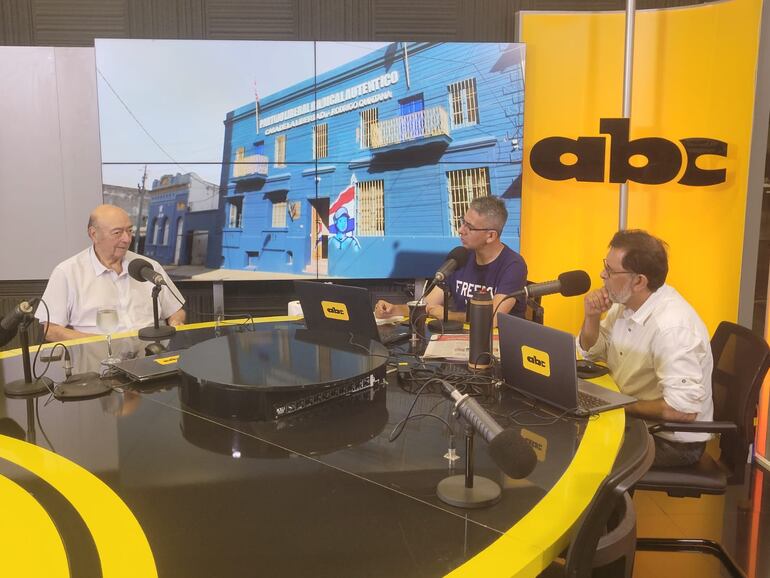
[{"x": 77, "y": 23}]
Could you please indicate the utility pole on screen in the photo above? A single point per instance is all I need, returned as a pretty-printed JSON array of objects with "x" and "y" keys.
[{"x": 141, "y": 188}]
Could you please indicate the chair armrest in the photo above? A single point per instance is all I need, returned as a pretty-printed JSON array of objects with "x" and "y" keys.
[{"x": 694, "y": 426}]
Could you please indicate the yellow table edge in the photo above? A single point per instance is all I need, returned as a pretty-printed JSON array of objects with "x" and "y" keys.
[{"x": 188, "y": 327}]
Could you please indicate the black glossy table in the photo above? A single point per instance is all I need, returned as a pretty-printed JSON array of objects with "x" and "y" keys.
[{"x": 140, "y": 483}]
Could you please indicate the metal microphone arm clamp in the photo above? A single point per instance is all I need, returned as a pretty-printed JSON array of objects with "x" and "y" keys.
[{"x": 458, "y": 403}]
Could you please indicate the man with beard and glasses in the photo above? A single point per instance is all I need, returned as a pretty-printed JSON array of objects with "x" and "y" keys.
[{"x": 655, "y": 344}]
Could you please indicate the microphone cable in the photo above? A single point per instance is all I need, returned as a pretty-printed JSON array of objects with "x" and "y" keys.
[
  {"x": 35, "y": 376},
  {"x": 399, "y": 427},
  {"x": 40, "y": 427},
  {"x": 352, "y": 336}
]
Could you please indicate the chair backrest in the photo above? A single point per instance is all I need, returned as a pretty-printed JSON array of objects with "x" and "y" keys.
[
  {"x": 608, "y": 508},
  {"x": 741, "y": 360},
  {"x": 535, "y": 311}
]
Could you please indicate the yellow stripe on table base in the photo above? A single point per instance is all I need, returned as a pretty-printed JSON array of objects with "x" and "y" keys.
[
  {"x": 122, "y": 546},
  {"x": 31, "y": 544}
]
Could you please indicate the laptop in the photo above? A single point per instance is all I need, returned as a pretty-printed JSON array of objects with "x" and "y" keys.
[
  {"x": 144, "y": 369},
  {"x": 329, "y": 307},
  {"x": 540, "y": 361}
]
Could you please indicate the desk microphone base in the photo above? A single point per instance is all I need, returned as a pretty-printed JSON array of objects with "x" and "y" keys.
[
  {"x": 81, "y": 386},
  {"x": 484, "y": 492},
  {"x": 22, "y": 388},
  {"x": 156, "y": 333}
]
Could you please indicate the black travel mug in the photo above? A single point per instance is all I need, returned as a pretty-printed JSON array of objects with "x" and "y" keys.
[{"x": 480, "y": 350}]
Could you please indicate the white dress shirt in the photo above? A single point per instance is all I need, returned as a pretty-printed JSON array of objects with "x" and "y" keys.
[
  {"x": 660, "y": 350},
  {"x": 81, "y": 284}
]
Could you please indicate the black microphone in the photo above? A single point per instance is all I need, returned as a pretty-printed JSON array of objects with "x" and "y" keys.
[
  {"x": 510, "y": 452},
  {"x": 568, "y": 284},
  {"x": 141, "y": 270},
  {"x": 456, "y": 258},
  {"x": 10, "y": 323},
  {"x": 11, "y": 320}
]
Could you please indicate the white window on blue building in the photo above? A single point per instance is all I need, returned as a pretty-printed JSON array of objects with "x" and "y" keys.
[
  {"x": 371, "y": 208},
  {"x": 320, "y": 141},
  {"x": 234, "y": 212},
  {"x": 464, "y": 186},
  {"x": 280, "y": 150},
  {"x": 279, "y": 214},
  {"x": 166, "y": 230},
  {"x": 370, "y": 135},
  {"x": 463, "y": 102}
]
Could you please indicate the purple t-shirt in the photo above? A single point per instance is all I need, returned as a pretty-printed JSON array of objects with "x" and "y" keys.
[{"x": 505, "y": 275}]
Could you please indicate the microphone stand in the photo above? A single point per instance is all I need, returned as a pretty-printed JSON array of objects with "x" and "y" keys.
[
  {"x": 438, "y": 326},
  {"x": 26, "y": 386},
  {"x": 156, "y": 332},
  {"x": 31, "y": 435},
  {"x": 468, "y": 490}
]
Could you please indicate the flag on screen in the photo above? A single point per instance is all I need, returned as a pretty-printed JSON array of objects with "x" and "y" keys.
[{"x": 342, "y": 216}]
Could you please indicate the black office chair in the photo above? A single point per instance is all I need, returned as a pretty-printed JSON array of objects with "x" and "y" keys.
[
  {"x": 603, "y": 543},
  {"x": 534, "y": 310},
  {"x": 741, "y": 360}
]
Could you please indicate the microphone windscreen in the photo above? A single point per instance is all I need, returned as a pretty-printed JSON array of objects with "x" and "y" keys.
[
  {"x": 459, "y": 254},
  {"x": 512, "y": 454},
  {"x": 135, "y": 269},
  {"x": 574, "y": 283}
]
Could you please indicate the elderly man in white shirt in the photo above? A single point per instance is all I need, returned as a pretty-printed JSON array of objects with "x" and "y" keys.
[
  {"x": 98, "y": 277},
  {"x": 655, "y": 344}
]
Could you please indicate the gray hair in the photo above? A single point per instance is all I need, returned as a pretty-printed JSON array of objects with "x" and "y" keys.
[{"x": 492, "y": 209}]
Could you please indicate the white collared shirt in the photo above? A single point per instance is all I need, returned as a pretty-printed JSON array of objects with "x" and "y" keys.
[
  {"x": 660, "y": 350},
  {"x": 81, "y": 284}
]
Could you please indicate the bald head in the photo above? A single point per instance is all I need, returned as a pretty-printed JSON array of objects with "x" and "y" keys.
[
  {"x": 111, "y": 231},
  {"x": 104, "y": 213}
]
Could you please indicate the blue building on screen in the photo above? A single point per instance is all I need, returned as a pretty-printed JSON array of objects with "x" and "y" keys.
[
  {"x": 182, "y": 211},
  {"x": 366, "y": 171}
]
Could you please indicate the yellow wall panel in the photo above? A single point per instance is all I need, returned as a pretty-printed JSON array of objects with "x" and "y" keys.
[{"x": 694, "y": 76}]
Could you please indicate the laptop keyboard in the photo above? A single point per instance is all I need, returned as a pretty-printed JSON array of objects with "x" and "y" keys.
[{"x": 588, "y": 401}]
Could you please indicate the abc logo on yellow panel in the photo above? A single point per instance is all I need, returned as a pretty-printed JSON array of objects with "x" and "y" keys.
[
  {"x": 334, "y": 310},
  {"x": 536, "y": 360}
]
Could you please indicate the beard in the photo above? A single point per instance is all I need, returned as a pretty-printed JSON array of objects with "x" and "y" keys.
[{"x": 621, "y": 297}]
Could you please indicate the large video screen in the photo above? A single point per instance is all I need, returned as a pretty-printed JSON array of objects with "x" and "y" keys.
[{"x": 308, "y": 159}]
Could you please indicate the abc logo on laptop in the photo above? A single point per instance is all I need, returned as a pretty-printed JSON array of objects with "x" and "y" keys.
[
  {"x": 536, "y": 360},
  {"x": 334, "y": 310}
]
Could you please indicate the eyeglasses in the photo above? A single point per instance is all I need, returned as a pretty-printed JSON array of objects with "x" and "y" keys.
[
  {"x": 610, "y": 272},
  {"x": 470, "y": 227}
]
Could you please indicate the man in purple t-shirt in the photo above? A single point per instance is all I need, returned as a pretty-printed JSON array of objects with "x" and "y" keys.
[{"x": 491, "y": 264}]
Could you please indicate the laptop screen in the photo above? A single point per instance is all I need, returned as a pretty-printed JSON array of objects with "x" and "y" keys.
[
  {"x": 329, "y": 307},
  {"x": 538, "y": 360}
]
